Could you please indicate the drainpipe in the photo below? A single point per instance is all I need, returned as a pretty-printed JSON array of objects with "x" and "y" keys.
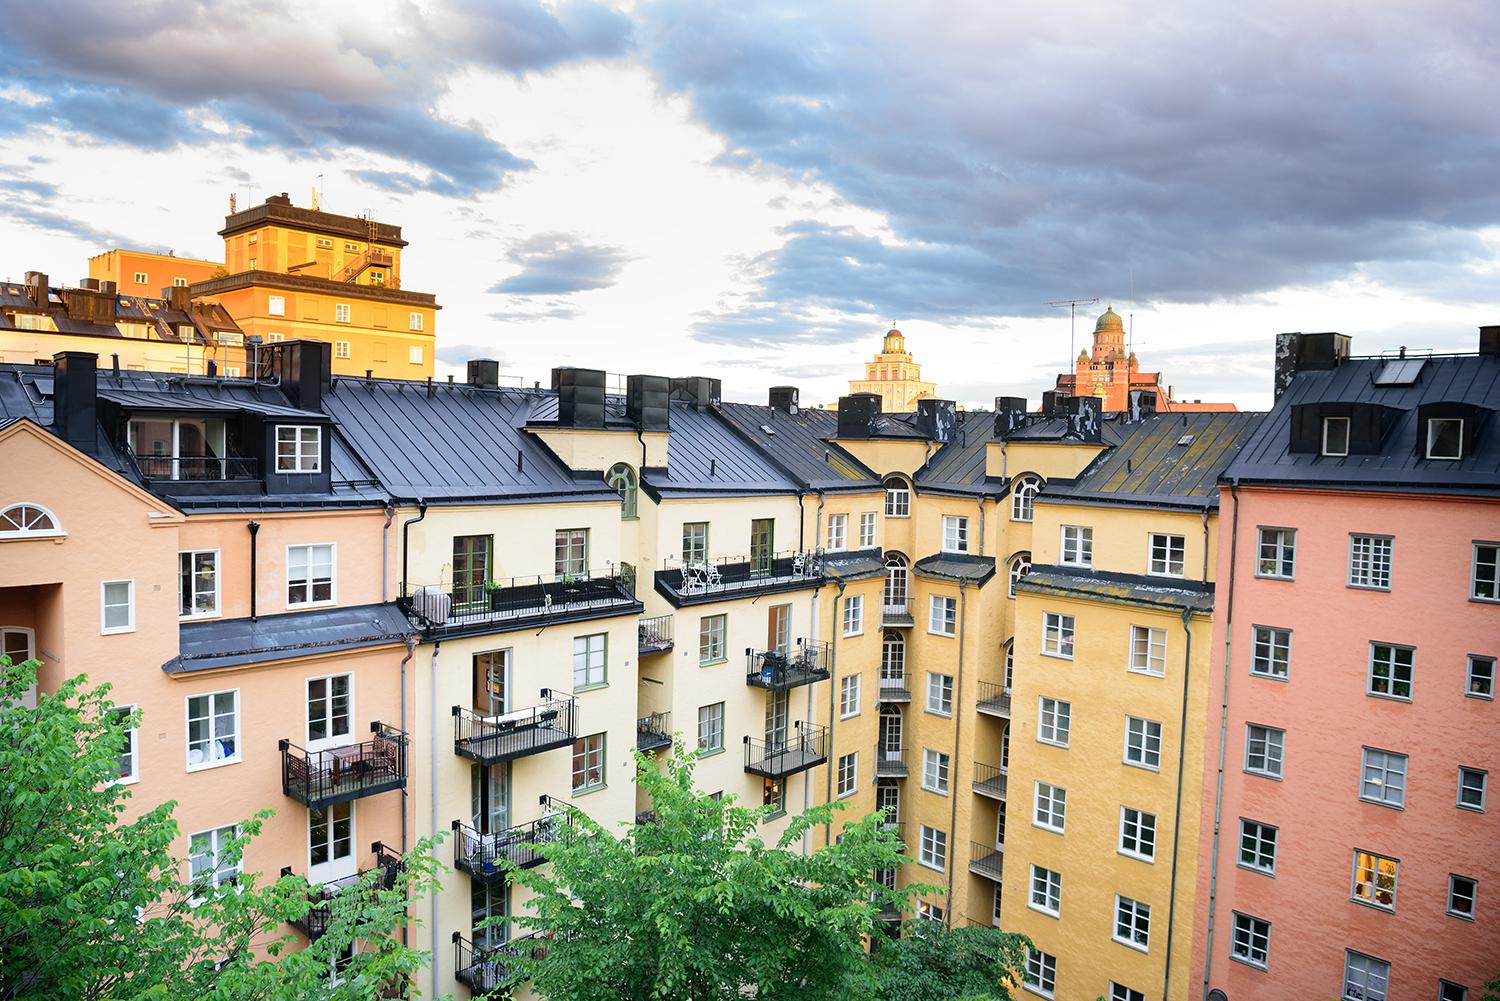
[
  {"x": 958, "y": 725},
  {"x": 433, "y": 754},
  {"x": 411, "y": 650},
  {"x": 818, "y": 522},
  {"x": 1187, "y": 667},
  {"x": 254, "y": 527},
  {"x": 1204, "y": 513},
  {"x": 385, "y": 556},
  {"x": 981, "y": 524},
  {"x": 833, "y": 660},
  {"x": 406, "y": 545},
  {"x": 832, "y": 674}
]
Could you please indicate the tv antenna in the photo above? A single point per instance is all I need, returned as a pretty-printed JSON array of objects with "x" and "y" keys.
[{"x": 1072, "y": 305}]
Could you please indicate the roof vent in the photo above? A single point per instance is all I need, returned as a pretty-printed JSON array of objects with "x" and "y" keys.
[
  {"x": 768, "y": 429},
  {"x": 701, "y": 392},
  {"x": 1489, "y": 340},
  {"x": 1010, "y": 414},
  {"x": 936, "y": 419},
  {"x": 1084, "y": 417},
  {"x": 580, "y": 397},
  {"x": 1055, "y": 403},
  {"x": 1142, "y": 404},
  {"x": 646, "y": 402},
  {"x": 858, "y": 415},
  {"x": 484, "y": 372},
  {"x": 784, "y": 398},
  {"x": 1186, "y": 439}
]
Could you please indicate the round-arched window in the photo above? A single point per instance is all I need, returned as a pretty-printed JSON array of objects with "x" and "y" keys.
[
  {"x": 1020, "y": 566},
  {"x": 1021, "y": 497},
  {"x": 895, "y": 584},
  {"x": 621, "y": 478},
  {"x": 28, "y": 520}
]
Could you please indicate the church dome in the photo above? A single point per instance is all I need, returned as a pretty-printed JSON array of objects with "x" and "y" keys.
[
  {"x": 1109, "y": 320},
  {"x": 895, "y": 342}
]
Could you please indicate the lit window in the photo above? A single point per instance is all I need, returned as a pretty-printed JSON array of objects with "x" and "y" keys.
[
  {"x": 934, "y": 771},
  {"x": 179, "y": 283},
  {"x": 341, "y": 312},
  {"x": 588, "y": 762},
  {"x": 940, "y": 694},
  {"x": 838, "y": 531},
  {"x": 1481, "y": 677},
  {"x": 1471, "y": 788},
  {"x": 1054, "y": 719},
  {"x": 414, "y": 321},
  {"x": 324, "y": 244},
  {"x": 1391, "y": 670},
  {"x": 1132, "y": 923},
  {"x": 309, "y": 574},
  {"x": 129, "y": 758},
  {"x": 1137, "y": 833},
  {"x": 1057, "y": 635},
  {"x": 849, "y": 696},
  {"x": 1383, "y": 777},
  {"x": 1365, "y": 978},
  {"x": 711, "y": 727},
  {"x": 198, "y": 583},
  {"x": 867, "y": 530},
  {"x": 1168, "y": 554},
  {"x": 934, "y": 848},
  {"x": 897, "y": 499},
  {"x": 711, "y": 631},
  {"x": 1251, "y": 941},
  {"x": 352, "y": 247},
  {"x": 1375, "y": 880},
  {"x": 589, "y": 663},
  {"x": 276, "y": 305},
  {"x": 955, "y": 534},
  {"x": 1077, "y": 546},
  {"x": 942, "y": 615},
  {"x": 1484, "y": 578},
  {"x": 330, "y": 708},
  {"x": 1445, "y": 438},
  {"x": 570, "y": 552},
  {"x": 848, "y": 774},
  {"x": 1370, "y": 561},
  {"x": 854, "y": 614},
  {"x": 209, "y": 865},
  {"x": 1040, "y": 976},
  {"x": 1278, "y": 553},
  {"x": 930, "y": 912},
  {"x": 213, "y": 729},
  {"x": 1335, "y": 436},
  {"x": 341, "y": 349},
  {"x": 695, "y": 542},
  {"x": 1265, "y": 748},
  {"x": 1148, "y": 650},
  {"x": 1051, "y": 807},
  {"x": 299, "y": 448},
  {"x": 1257, "y": 846},
  {"x": 772, "y": 796},
  {"x": 1046, "y": 890},
  {"x": 1022, "y": 496},
  {"x": 1461, "y": 894},
  {"x": 117, "y": 606},
  {"x": 28, "y": 521},
  {"x": 1020, "y": 567},
  {"x": 1271, "y": 652}
]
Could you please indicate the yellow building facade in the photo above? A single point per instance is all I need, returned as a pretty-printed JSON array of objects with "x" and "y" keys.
[{"x": 894, "y": 376}]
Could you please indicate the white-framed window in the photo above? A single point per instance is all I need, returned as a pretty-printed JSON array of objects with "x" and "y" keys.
[
  {"x": 942, "y": 615},
  {"x": 1484, "y": 574},
  {"x": 414, "y": 354},
  {"x": 330, "y": 711},
  {"x": 589, "y": 661},
  {"x": 1148, "y": 650},
  {"x": 955, "y": 534},
  {"x": 940, "y": 693},
  {"x": 1132, "y": 923},
  {"x": 1391, "y": 670},
  {"x": 1054, "y": 721},
  {"x": 1374, "y": 880},
  {"x": 695, "y": 542},
  {"x": 1335, "y": 436},
  {"x": 1057, "y": 635},
  {"x": 1137, "y": 834},
  {"x": 309, "y": 574},
  {"x": 1265, "y": 750},
  {"x": 1365, "y": 977},
  {"x": 276, "y": 305},
  {"x": 849, "y": 692},
  {"x": 18, "y": 643},
  {"x": 330, "y": 839},
  {"x": 1445, "y": 438},
  {"x": 854, "y": 614},
  {"x": 272, "y": 337},
  {"x": 28, "y": 521},
  {"x": 588, "y": 762},
  {"x": 413, "y": 321},
  {"x": 1251, "y": 941},
  {"x": 116, "y": 607},
  {"x": 1142, "y": 742},
  {"x": 1119, "y": 992},
  {"x": 1479, "y": 680},
  {"x": 324, "y": 243},
  {"x": 1046, "y": 890},
  {"x": 1168, "y": 554},
  {"x": 1050, "y": 810},
  {"x": 1462, "y": 892},
  {"x": 927, "y": 911},
  {"x": 1270, "y": 652},
  {"x": 1257, "y": 846},
  {"x": 299, "y": 448},
  {"x": 1040, "y": 975},
  {"x": 130, "y": 749},
  {"x": 1370, "y": 561},
  {"x": 342, "y": 349},
  {"x": 213, "y": 729},
  {"x": 179, "y": 283},
  {"x": 1277, "y": 553},
  {"x": 208, "y": 863},
  {"x": 1472, "y": 785},
  {"x": 1020, "y": 567},
  {"x": 838, "y": 532},
  {"x": 867, "y": 530},
  {"x": 1382, "y": 777},
  {"x": 935, "y": 771},
  {"x": 1022, "y": 496},
  {"x": 897, "y": 498},
  {"x": 711, "y": 727},
  {"x": 848, "y": 774},
  {"x": 711, "y": 639},
  {"x": 140, "y": 277},
  {"x": 341, "y": 312},
  {"x": 934, "y": 848},
  {"x": 1077, "y": 548}
]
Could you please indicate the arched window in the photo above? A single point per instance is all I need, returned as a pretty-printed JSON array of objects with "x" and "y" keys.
[
  {"x": 893, "y": 661},
  {"x": 1010, "y": 661},
  {"x": 26, "y": 521},
  {"x": 1020, "y": 566},
  {"x": 1021, "y": 497},
  {"x": 897, "y": 498},
  {"x": 621, "y": 478},
  {"x": 895, "y": 584}
]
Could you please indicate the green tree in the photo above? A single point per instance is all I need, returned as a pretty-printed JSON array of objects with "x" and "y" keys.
[
  {"x": 696, "y": 906},
  {"x": 1492, "y": 989},
  {"x": 932, "y": 962},
  {"x": 94, "y": 906}
]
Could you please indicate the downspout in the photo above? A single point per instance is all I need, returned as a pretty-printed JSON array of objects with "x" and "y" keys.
[
  {"x": 981, "y": 524},
  {"x": 1187, "y": 668},
  {"x": 254, "y": 527},
  {"x": 838, "y": 618},
  {"x": 958, "y": 725},
  {"x": 385, "y": 562},
  {"x": 801, "y": 524},
  {"x": 1213, "y": 878},
  {"x": 832, "y": 674},
  {"x": 1204, "y": 512},
  {"x": 411, "y": 650},
  {"x": 433, "y": 754},
  {"x": 818, "y": 521},
  {"x": 406, "y": 546}
]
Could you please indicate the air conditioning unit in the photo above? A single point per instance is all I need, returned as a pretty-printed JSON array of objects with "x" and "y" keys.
[{"x": 432, "y": 604}]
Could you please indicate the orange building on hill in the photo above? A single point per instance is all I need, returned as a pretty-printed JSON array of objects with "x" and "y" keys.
[{"x": 1110, "y": 373}]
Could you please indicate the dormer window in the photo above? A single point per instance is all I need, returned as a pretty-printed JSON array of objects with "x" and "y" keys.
[
  {"x": 299, "y": 448},
  {"x": 1336, "y": 436},
  {"x": 1445, "y": 438}
]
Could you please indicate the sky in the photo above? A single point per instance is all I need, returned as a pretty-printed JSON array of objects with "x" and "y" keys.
[{"x": 757, "y": 191}]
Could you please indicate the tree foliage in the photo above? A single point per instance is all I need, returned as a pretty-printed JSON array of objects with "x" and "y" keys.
[{"x": 932, "y": 962}]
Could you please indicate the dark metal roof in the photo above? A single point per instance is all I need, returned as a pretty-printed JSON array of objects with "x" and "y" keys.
[
  {"x": 1119, "y": 588},
  {"x": 1466, "y": 379},
  {"x": 706, "y": 455},
  {"x": 184, "y": 400},
  {"x": 858, "y": 565},
  {"x": 798, "y": 444},
  {"x": 956, "y": 566},
  {"x": 218, "y": 643}
]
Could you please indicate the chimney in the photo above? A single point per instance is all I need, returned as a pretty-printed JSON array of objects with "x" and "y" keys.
[
  {"x": 1489, "y": 340},
  {"x": 177, "y": 297},
  {"x": 92, "y": 284},
  {"x": 1299, "y": 352},
  {"x": 1084, "y": 415},
  {"x": 36, "y": 287},
  {"x": 698, "y": 390},
  {"x": 936, "y": 419},
  {"x": 784, "y": 398},
  {"x": 646, "y": 399},
  {"x": 1142, "y": 405},
  {"x": 1054, "y": 403},
  {"x": 580, "y": 397},
  {"x": 858, "y": 415},
  {"x": 109, "y": 288},
  {"x": 75, "y": 398},
  {"x": 483, "y": 372},
  {"x": 305, "y": 369},
  {"x": 1010, "y": 414}
]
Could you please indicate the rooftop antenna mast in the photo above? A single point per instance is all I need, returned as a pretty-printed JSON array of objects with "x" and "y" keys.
[{"x": 1072, "y": 305}]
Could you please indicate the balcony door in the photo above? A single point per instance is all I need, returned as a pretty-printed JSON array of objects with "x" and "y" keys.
[
  {"x": 492, "y": 682},
  {"x": 488, "y": 901},
  {"x": 330, "y": 835},
  {"x": 762, "y": 544},
  {"x": 330, "y": 711},
  {"x": 776, "y": 722},
  {"x": 16, "y": 643},
  {"x": 489, "y": 798},
  {"x": 779, "y": 629},
  {"x": 471, "y": 569},
  {"x": 895, "y": 581},
  {"x": 888, "y": 798},
  {"x": 890, "y": 730},
  {"x": 893, "y": 660}
]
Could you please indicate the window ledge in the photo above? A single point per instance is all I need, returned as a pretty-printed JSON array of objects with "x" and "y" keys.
[
  {"x": 206, "y": 765},
  {"x": 934, "y": 868},
  {"x": 1270, "y": 677},
  {"x": 1266, "y": 775},
  {"x": 1366, "y": 799},
  {"x": 1250, "y": 868},
  {"x": 938, "y": 713},
  {"x": 1041, "y": 910},
  {"x": 1057, "y": 656},
  {"x": 713, "y": 663},
  {"x": 1130, "y": 945},
  {"x": 710, "y": 752},
  {"x": 590, "y": 688},
  {"x": 590, "y": 789},
  {"x": 1148, "y": 859}
]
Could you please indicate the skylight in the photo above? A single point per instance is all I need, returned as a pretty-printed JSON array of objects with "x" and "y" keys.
[{"x": 1400, "y": 372}]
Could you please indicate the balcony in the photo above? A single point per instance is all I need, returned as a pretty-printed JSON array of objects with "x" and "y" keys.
[
  {"x": 989, "y": 781},
  {"x": 806, "y": 747},
  {"x": 893, "y": 690},
  {"x": 985, "y": 860},
  {"x": 484, "y": 970},
  {"x": 896, "y": 616},
  {"x": 780, "y": 672},
  {"x": 897, "y": 828},
  {"x": 484, "y": 856},
  {"x": 654, "y": 732},
  {"x": 994, "y": 700},
  {"x": 655, "y": 635},
  {"x": 518, "y": 602},
  {"x": 322, "y": 778},
  {"x": 890, "y": 762},
  {"x": 490, "y": 740},
  {"x": 318, "y": 919},
  {"x": 696, "y": 582}
]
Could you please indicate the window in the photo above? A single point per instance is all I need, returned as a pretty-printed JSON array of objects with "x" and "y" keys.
[
  {"x": 1278, "y": 553},
  {"x": 854, "y": 614},
  {"x": 276, "y": 305},
  {"x": 849, "y": 696},
  {"x": 622, "y": 480},
  {"x": 1445, "y": 438},
  {"x": 117, "y": 606},
  {"x": 341, "y": 312},
  {"x": 942, "y": 615},
  {"x": 1251, "y": 942},
  {"x": 1054, "y": 720},
  {"x": 1375, "y": 880},
  {"x": 1365, "y": 978},
  {"x": 838, "y": 531},
  {"x": 1335, "y": 436},
  {"x": 1370, "y": 561},
  {"x": 1461, "y": 893},
  {"x": 1137, "y": 833},
  {"x": 213, "y": 729},
  {"x": 711, "y": 727},
  {"x": 1257, "y": 846},
  {"x": 589, "y": 661},
  {"x": 26, "y": 521},
  {"x": 1484, "y": 579},
  {"x": 413, "y": 321},
  {"x": 329, "y": 709},
  {"x": 208, "y": 862},
  {"x": 934, "y": 845},
  {"x": 1383, "y": 777},
  {"x": 309, "y": 574},
  {"x": 1022, "y": 496},
  {"x": 330, "y": 833},
  {"x": 940, "y": 693},
  {"x": 1040, "y": 976},
  {"x": 1057, "y": 635},
  {"x": 1046, "y": 890},
  {"x": 1271, "y": 652},
  {"x": 570, "y": 548},
  {"x": 130, "y": 765},
  {"x": 471, "y": 570},
  {"x": 867, "y": 530},
  {"x": 274, "y": 338},
  {"x": 930, "y": 912},
  {"x": 1020, "y": 566},
  {"x": 1449, "y": 991},
  {"x": 934, "y": 771},
  {"x": 1471, "y": 788},
  {"x": 140, "y": 277},
  {"x": 1077, "y": 546},
  {"x": 299, "y": 448},
  {"x": 711, "y": 632},
  {"x": 695, "y": 542},
  {"x": 179, "y": 282},
  {"x": 848, "y": 773},
  {"x": 341, "y": 349},
  {"x": 1148, "y": 650},
  {"x": 414, "y": 354},
  {"x": 955, "y": 534},
  {"x": 1168, "y": 554},
  {"x": 1481, "y": 677},
  {"x": 1391, "y": 670},
  {"x": 1118, "y": 992},
  {"x": 324, "y": 244},
  {"x": 1142, "y": 742},
  {"x": 1051, "y": 807},
  {"x": 897, "y": 499},
  {"x": 588, "y": 763},
  {"x": 773, "y": 796},
  {"x": 1132, "y": 923}
]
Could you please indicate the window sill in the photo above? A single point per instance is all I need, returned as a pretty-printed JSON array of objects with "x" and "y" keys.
[
  {"x": 196, "y": 616},
  {"x": 1157, "y": 767},
  {"x": 1368, "y": 587},
  {"x": 585, "y": 790},
  {"x": 207, "y": 765},
  {"x": 1269, "y": 677},
  {"x": 1044, "y": 827},
  {"x": 580, "y": 689},
  {"x": 848, "y": 636},
  {"x": 853, "y": 715},
  {"x": 1389, "y": 698},
  {"x": 1461, "y": 806},
  {"x": 938, "y": 713},
  {"x": 1146, "y": 674},
  {"x": 934, "y": 868},
  {"x": 1271, "y": 576},
  {"x": 1462, "y": 917},
  {"x": 1373, "y": 802},
  {"x": 934, "y": 632},
  {"x": 1145, "y": 950},
  {"x": 1247, "y": 962},
  {"x": 1476, "y": 599},
  {"x": 117, "y": 632},
  {"x": 773, "y": 815},
  {"x": 1055, "y": 743},
  {"x": 300, "y": 605},
  {"x": 1049, "y": 995},
  {"x": 1149, "y": 860},
  {"x": 1042, "y": 910},
  {"x": 1374, "y": 907},
  {"x": 935, "y": 791},
  {"x": 846, "y": 795},
  {"x": 710, "y": 752},
  {"x": 1268, "y": 775},
  {"x": 713, "y": 663},
  {"x": 1250, "y": 868},
  {"x": 1057, "y": 656},
  {"x": 124, "y": 782}
]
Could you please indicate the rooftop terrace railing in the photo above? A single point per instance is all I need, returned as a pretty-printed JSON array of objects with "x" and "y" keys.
[
  {"x": 735, "y": 575},
  {"x": 518, "y": 600}
]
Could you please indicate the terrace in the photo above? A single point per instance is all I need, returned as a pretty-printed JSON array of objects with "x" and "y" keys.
[
  {"x": 780, "y": 671},
  {"x": 699, "y": 581},
  {"x": 807, "y": 747},
  {"x": 339, "y": 774},
  {"x": 518, "y": 602}
]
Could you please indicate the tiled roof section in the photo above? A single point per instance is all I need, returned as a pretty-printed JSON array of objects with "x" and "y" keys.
[
  {"x": 956, "y": 566},
  {"x": 798, "y": 444},
  {"x": 1123, "y": 589},
  {"x": 1468, "y": 379},
  {"x": 218, "y": 643},
  {"x": 706, "y": 455}
]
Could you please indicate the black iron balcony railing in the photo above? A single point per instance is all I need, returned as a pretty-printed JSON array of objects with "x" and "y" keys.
[
  {"x": 319, "y": 917},
  {"x": 484, "y": 856},
  {"x": 994, "y": 699},
  {"x": 685, "y": 581},
  {"x": 896, "y": 827},
  {"x": 889, "y": 910},
  {"x": 340, "y": 774},
  {"x": 195, "y": 467},
  {"x": 517, "y": 600},
  {"x": 654, "y": 732},
  {"x": 986, "y": 860},
  {"x": 805, "y": 747},
  {"x": 804, "y": 664},
  {"x": 490, "y": 740},
  {"x": 485, "y": 970},
  {"x": 655, "y": 635},
  {"x": 989, "y": 781},
  {"x": 896, "y": 614},
  {"x": 893, "y": 690},
  {"x": 890, "y": 762}
]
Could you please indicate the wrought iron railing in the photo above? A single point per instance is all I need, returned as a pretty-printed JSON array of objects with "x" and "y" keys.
[
  {"x": 890, "y": 762},
  {"x": 653, "y": 732},
  {"x": 515, "y": 599},
  {"x": 485, "y": 856},
  {"x": 805, "y": 747},
  {"x": 485, "y": 969},
  {"x": 339, "y": 774},
  {"x": 319, "y": 917},
  {"x": 804, "y": 664},
  {"x": 492, "y": 739},
  {"x": 195, "y": 467},
  {"x": 655, "y": 635},
  {"x": 736, "y": 574},
  {"x": 994, "y": 699},
  {"x": 989, "y": 781},
  {"x": 986, "y": 860},
  {"x": 895, "y": 614},
  {"x": 893, "y": 690}
]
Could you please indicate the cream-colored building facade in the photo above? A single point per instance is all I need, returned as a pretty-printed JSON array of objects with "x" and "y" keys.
[{"x": 895, "y": 376}]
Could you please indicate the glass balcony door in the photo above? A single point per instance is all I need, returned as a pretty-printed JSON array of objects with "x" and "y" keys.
[{"x": 471, "y": 570}]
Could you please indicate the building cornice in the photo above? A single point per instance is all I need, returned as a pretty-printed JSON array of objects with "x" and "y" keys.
[{"x": 307, "y": 283}]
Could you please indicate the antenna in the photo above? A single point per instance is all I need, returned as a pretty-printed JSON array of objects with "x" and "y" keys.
[{"x": 1072, "y": 305}]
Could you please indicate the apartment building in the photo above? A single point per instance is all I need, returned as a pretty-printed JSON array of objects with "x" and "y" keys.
[{"x": 143, "y": 273}]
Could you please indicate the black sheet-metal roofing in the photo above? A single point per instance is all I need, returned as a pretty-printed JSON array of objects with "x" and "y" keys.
[
  {"x": 956, "y": 566},
  {"x": 798, "y": 444},
  {"x": 218, "y": 643},
  {"x": 855, "y": 565},
  {"x": 1469, "y": 379},
  {"x": 1123, "y": 589},
  {"x": 706, "y": 455}
]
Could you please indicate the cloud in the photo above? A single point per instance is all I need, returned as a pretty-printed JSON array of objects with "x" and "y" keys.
[
  {"x": 50, "y": 221},
  {"x": 559, "y": 264},
  {"x": 458, "y": 354}
]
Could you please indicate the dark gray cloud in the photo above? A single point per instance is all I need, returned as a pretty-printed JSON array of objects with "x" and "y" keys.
[
  {"x": 559, "y": 264},
  {"x": 37, "y": 217}
]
